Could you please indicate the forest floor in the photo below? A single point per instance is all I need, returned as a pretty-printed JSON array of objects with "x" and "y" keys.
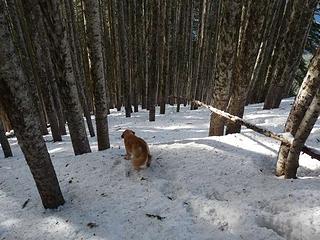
[{"x": 197, "y": 187}]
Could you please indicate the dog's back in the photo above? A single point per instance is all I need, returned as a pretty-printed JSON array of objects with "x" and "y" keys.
[{"x": 138, "y": 150}]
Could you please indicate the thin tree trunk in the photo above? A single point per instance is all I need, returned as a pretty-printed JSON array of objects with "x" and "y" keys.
[
  {"x": 125, "y": 76},
  {"x": 229, "y": 19},
  {"x": 95, "y": 49},
  {"x": 304, "y": 98},
  {"x": 153, "y": 73},
  {"x": 77, "y": 63},
  {"x": 4, "y": 142},
  {"x": 15, "y": 96},
  {"x": 61, "y": 55},
  {"x": 58, "y": 107},
  {"x": 46, "y": 72},
  {"x": 249, "y": 43},
  {"x": 271, "y": 26},
  {"x": 25, "y": 47},
  {"x": 288, "y": 59},
  {"x": 301, "y": 136}
]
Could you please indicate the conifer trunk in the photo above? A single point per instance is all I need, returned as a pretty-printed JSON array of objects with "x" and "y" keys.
[
  {"x": 15, "y": 96},
  {"x": 61, "y": 54},
  {"x": 98, "y": 75},
  {"x": 4, "y": 142},
  {"x": 249, "y": 43},
  {"x": 303, "y": 100},
  {"x": 229, "y": 19}
]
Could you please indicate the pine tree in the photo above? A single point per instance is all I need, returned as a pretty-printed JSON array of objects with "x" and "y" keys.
[
  {"x": 15, "y": 96},
  {"x": 61, "y": 54},
  {"x": 303, "y": 100},
  {"x": 92, "y": 13},
  {"x": 4, "y": 142},
  {"x": 229, "y": 19}
]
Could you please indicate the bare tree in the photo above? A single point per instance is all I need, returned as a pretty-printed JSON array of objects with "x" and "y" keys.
[
  {"x": 229, "y": 25},
  {"x": 123, "y": 41},
  {"x": 99, "y": 82},
  {"x": 61, "y": 54},
  {"x": 303, "y": 100},
  {"x": 248, "y": 48},
  {"x": 15, "y": 96},
  {"x": 305, "y": 127},
  {"x": 4, "y": 142},
  {"x": 45, "y": 66},
  {"x": 295, "y": 28},
  {"x": 153, "y": 67}
]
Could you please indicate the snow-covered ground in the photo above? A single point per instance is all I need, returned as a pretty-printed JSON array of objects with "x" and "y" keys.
[{"x": 197, "y": 187}]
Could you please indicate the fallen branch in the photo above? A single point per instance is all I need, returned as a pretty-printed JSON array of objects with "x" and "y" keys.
[
  {"x": 306, "y": 149},
  {"x": 155, "y": 216},
  {"x": 25, "y": 203}
]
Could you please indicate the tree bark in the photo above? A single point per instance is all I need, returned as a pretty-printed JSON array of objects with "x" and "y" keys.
[
  {"x": 95, "y": 50},
  {"x": 4, "y": 142},
  {"x": 290, "y": 49},
  {"x": 58, "y": 107},
  {"x": 303, "y": 100},
  {"x": 26, "y": 53},
  {"x": 46, "y": 72},
  {"x": 249, "y": 42},
  {"x": 16, "y": 98},
  {"x": 77, "y": 63},
  {"x": 305, "y": 127},
  {"x": 272, "y": 24},
  {"x": 153, "y": 72},
  {"x": 61, "y": 54},
  {"x": 125, "y": 76},
  {"x": 229, "y": 19}
]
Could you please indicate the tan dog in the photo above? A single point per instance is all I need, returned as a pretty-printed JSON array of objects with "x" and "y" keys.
[{"x": 137, "y": 150}]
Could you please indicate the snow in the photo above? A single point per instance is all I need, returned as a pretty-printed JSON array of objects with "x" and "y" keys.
[{"x": 197, "y": 187}]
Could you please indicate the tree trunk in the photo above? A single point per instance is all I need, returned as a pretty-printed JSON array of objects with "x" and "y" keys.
[
  {"x": 163, "y": 57},
  {"x": 272, "y": 24},
  {"x": 153, "y": 72},
  {"x": 4, "y": 142},
  {"x": 46, "y": 72},
  {"x": 290, "y": 51},
  {"x": 125, "y": 76},
  {"x": 95, "y": 50},
  {"x": 229, "y": 19},
  {"x": 249, "y": 42},
  {"x": 58, "y": 107},
  {"x": 25, "y": 48},
  {"x": 198, "y": 53},
  {"x": 61, "y": 54},
  {"x": 77, "y": 65},
  {"x": 305, "y": 127},
  {"x": 16, "y": 98},
  {"x": 304, "y": 98},
  {"x": 180, "y": 52},
  {"x": 172, "y": 51}
]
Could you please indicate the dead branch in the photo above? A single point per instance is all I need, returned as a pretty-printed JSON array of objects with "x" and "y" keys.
[{"x": 306, "y": 149}]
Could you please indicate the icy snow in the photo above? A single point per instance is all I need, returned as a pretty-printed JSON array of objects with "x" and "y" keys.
[{"x": 197, "y": 187}]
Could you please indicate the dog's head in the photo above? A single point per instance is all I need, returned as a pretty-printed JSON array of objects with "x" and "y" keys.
[{"x": 127, "y": 132}]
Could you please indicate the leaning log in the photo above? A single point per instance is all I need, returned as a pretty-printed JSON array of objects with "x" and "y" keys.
[{"x": 280, "y": 137}]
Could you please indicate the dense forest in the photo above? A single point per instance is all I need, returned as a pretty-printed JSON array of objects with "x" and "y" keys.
[{"x": 63, "y": 61}]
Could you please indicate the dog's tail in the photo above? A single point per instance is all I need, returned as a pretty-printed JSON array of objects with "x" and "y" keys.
[{"x": 149, "y": 160}]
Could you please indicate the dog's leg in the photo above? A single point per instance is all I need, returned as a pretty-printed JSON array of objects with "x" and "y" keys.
[
  {"x": 149, "y": 160},
  {"x": 127, "y": 157}
]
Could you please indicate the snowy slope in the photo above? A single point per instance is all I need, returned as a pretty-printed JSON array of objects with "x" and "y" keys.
[{"x": 197, "y": 187}]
